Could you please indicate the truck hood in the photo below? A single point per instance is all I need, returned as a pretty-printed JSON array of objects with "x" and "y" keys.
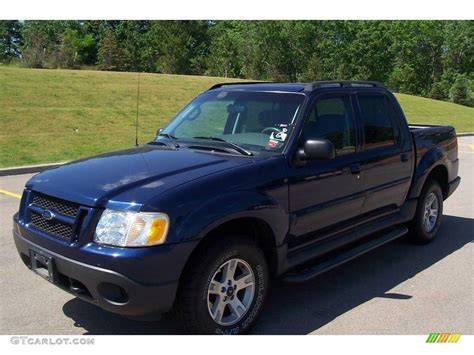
[{"x": 129, "y": 176}]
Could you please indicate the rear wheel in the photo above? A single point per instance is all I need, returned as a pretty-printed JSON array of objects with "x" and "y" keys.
[
  {"x": 224, "y": 288},
  {"x": 427, "y": 219}
]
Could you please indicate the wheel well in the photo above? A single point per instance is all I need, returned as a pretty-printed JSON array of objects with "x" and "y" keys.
[
  {"x": 440, "y": 174},
  {"x": 256, "y": 229}
]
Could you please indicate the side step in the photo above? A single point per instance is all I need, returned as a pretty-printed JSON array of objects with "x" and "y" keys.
[{"x": 340, "y": 259}]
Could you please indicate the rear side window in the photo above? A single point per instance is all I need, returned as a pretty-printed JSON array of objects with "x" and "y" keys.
[
  {"x": 332, "y": 119},
  {"x": 377, "y": 114}
]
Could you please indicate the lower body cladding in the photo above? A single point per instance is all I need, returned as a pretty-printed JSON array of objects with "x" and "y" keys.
[
  {"x": 105, "y": 288},
  {"x": 452, "y": 186}
]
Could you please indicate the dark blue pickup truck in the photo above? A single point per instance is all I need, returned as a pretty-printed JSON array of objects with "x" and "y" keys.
[{"x": 249, "y": 181}]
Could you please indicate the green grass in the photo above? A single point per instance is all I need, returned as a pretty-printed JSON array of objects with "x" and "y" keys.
[
  {"x": 57, "y": 115},
  {"x": 428, "y": 111}
]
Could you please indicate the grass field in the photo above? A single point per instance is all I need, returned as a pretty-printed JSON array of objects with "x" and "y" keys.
[{"x": 58, "y": 115}]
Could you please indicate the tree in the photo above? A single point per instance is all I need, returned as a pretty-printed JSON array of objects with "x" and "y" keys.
[
  {"x": 271, "y": 51},
  {"x": 181, "y": 45},
  {"x": 138, "y": 49},
  {"x": 109, "y": 54},
  {"x": 226, "y": 50},
  {"x": 460, "y": 91},
  {"x": 10, "y": 40},
  {"x": 368, "y": 52},
  {"x": 41, "y": 42},
  {"x": 67, "y": 52},
  {"x": 417, "y": 50},
  {"x": 415, "y": 57},
  {"x": 459, "y": 46},
  {"x": 438, "y": 91},
  {"x": 35, "y": 47}
]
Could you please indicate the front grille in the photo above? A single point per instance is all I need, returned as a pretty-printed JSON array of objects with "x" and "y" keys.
[
  {"x": 50, "y": 203},
  {"x": 58, "y": 229},
  {"x": 61, "y": 226}
]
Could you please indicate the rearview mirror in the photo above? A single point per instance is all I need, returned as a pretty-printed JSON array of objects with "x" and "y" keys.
[
  {"x": 159, "y": 130},
  {"x": 316, "y": 149},
  {"x": 233, "y": 108}
]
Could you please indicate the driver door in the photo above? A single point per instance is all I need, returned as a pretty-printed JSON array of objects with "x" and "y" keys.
[{"x": 326, "y": 192}]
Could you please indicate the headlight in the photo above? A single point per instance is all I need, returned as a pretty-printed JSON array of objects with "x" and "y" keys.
[{"x": 131, "y": 229}]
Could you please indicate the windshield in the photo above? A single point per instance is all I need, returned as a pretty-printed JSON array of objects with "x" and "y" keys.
[{"x": 256, "y": 121}]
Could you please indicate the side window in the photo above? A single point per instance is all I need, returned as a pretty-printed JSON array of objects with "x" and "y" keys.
[
  {"x": 332, "y": 118},
  {"x": 377, "y": 115}
]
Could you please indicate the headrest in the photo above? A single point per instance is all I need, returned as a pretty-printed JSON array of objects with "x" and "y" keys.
[{"x": 270, "y": 118}]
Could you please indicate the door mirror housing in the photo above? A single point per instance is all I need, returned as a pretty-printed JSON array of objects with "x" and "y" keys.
[
  {"x": 316, "y": 149},
  {"x": 159, "y": 130}
]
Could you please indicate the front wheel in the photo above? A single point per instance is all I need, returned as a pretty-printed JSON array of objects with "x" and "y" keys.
[
  {"x": 427, "y": 219},
  {"x": 224, "y": 288}
]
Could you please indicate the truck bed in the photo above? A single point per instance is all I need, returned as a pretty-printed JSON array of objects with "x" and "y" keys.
[
  {"x": 426, "y": 137},
  {"x": 418, "y": 128}
]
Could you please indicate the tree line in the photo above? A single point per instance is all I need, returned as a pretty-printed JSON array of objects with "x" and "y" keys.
[{"x": 427, "y": 58}]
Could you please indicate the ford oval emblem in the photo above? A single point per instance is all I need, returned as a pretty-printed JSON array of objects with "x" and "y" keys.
[{"x": 48, "y": 215}]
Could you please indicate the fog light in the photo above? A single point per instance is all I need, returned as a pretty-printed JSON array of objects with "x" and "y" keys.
[{"x": 112, "y": 293}]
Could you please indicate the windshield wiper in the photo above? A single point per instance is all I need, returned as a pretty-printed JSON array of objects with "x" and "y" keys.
[
  {"x": 234, "y": 146},
  {"x": 167, "y": 135}
]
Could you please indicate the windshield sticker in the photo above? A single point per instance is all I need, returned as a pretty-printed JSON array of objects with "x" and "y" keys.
[
  {"x": 272, "y": 144},
  {"x": 278, "y": 136}
]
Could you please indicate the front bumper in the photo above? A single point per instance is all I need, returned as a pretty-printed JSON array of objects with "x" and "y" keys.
[{"x": 105, "y": 288}]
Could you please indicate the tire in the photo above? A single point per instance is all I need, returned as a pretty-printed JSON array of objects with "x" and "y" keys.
[
  {"x": 199, "y": 304},
  {"x": 423, "y": 232}
]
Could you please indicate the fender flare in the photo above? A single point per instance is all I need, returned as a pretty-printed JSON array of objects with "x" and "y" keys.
[
  {"x": 231, "y": 206},
  {"x": 433, "y": 158}
]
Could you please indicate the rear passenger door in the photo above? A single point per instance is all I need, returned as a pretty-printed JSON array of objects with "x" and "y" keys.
[{"x": 387, "y": 168}]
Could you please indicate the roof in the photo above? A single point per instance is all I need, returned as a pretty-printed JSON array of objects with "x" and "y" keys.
[
  {"x": 259, "y": 86},
  {"x": 294, "y": 87}
]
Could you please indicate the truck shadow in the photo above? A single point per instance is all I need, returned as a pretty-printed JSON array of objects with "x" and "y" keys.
[{"x": 303, "y": 308}]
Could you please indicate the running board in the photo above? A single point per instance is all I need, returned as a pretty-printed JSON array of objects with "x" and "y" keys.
[{"x": 340, "y": 259}]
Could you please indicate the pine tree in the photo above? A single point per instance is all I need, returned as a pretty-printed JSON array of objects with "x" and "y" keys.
[
  {"x": 10, "y": 37},
  {"x": 459, "y": 92},
  {"x": 109, "y": 55}
]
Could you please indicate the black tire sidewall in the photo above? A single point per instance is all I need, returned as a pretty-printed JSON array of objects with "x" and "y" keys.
[
  {"x": 422, "y": 235},
  {"x": 256, "y": 260}
]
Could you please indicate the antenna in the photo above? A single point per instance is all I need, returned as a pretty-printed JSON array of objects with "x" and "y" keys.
[{"x": 136, "y": 120}]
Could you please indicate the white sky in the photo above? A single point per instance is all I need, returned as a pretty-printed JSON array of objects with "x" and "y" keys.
[{"x": 237, "y": 9}]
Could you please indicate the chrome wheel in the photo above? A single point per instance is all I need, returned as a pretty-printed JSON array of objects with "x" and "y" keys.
[
  {"x": 231, "y": 291},
  {"x": 430, "y": 212}
]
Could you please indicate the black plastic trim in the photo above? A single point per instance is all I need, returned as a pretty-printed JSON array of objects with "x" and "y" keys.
[
  {"x": 142, "y": 299},
  {"x": 329, "y": 264}
]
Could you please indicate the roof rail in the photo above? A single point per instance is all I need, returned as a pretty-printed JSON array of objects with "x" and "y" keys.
[
  {"x": 341, "y": 83},
  {"x": 216, "y": 86}
]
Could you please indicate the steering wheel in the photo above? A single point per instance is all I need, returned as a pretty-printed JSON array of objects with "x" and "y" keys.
[{"x": 270, "y": 129}]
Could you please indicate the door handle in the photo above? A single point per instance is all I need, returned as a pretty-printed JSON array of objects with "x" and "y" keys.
[
  {"x": 404, "y": 156},
  {"x": 355, "y": 168}
]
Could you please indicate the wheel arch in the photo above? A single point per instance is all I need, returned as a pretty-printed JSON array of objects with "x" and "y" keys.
[
  {"x": 255, "y": 228},
  {"x": 431, "y": 166},
  {"x": 440, "y": 174}
]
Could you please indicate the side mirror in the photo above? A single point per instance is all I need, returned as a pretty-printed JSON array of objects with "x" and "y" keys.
[
  {"x": 159, "y": 130},
  {"x": 316, "y": 149}
]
